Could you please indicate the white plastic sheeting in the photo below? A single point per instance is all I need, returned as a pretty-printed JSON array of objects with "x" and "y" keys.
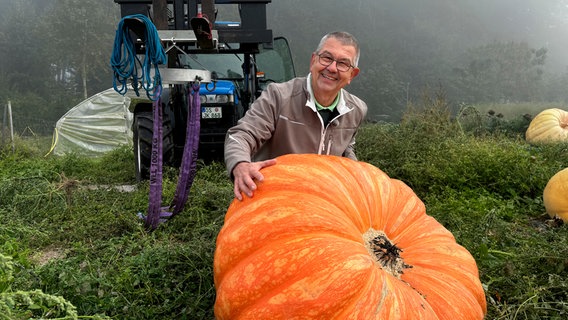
[{"x": 97, "y": 125}]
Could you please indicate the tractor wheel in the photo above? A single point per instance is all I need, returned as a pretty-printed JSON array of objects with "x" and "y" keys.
[{"x": 143, "y": 130}]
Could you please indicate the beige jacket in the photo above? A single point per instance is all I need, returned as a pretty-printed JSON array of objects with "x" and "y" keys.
[{"x": 284, "y": 120}]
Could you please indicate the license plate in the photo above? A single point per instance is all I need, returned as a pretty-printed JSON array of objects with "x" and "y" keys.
[{"x": 211, "y": 113}]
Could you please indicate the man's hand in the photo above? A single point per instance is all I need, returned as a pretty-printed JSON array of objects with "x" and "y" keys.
[{"x": 245, "y": 173}]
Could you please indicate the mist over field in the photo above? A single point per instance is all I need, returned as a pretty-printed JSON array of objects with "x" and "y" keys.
[{"x": 474, "y": 51}]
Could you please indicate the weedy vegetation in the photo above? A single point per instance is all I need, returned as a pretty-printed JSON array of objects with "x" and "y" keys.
[{"x": 72, "y": 247}]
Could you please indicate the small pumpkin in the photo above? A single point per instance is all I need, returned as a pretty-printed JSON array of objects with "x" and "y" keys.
[
  {"x": 555, "y": 196},
  {"x": 550, "y": 125},
  {"x": 326, "y": 237}
]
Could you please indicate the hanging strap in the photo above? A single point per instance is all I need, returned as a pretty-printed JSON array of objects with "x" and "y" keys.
[
  {"x": 188, "y": 167},
  {"x": 125, "y": 64},
  {"x": 155, "y": 197}
]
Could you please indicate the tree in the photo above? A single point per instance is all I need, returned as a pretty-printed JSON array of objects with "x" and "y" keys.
[
  {"x": 501, "y": 71},
  {"x": 81, "y": 43},
  {"x": 21, "y": 67},
  {"x": 48, "y": 64}
]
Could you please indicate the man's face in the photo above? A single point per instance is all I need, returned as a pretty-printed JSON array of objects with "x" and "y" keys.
[{"x": 328, "y": 80}]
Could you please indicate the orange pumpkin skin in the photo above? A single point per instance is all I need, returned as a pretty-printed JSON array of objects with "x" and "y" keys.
[
  {"x": 299, "y": 249},
  {"x": 555, "y": 196},
  {"x": 550, "y": 125}
]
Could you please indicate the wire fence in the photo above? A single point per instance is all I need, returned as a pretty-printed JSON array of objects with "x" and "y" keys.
[
  {"x": 27, "y": 126},
  {"x": 23, "y": 125},
  {"x": 15, "y": 126}
]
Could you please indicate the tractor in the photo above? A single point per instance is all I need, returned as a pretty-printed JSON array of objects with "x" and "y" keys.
[{"x": 235, "y": 59}]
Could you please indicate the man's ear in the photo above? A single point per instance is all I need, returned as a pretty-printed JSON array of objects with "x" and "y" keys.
[
  {"x": 312, "y": 60},
  {"x": 355, "y": 72}
]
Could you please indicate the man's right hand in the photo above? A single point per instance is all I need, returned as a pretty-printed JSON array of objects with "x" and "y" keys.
[{"x": 245, "y": 174}]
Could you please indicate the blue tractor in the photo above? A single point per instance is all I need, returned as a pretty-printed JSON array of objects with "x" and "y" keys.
[{"x": 235, "y": 62}]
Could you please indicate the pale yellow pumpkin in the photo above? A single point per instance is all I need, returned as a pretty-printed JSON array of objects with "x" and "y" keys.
[
  {"x": 555, "y": 196},
  {"x": 550, "y": 125}
]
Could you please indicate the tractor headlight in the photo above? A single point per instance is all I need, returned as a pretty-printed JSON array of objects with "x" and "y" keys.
[
  {"x": 222, "y": 98},
  {"x": 215, "y": 98}
]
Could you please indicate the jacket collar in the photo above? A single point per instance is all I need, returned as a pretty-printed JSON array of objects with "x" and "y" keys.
[{"x": 311, "y": 102}]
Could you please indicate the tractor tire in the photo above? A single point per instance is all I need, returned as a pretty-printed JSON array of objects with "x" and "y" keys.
[{"x": 143, "y": 131}]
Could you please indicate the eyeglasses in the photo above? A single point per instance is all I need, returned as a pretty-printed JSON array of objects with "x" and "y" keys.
[{"x": 341, "y": 65}]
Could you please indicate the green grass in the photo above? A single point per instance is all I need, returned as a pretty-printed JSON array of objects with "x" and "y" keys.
[{"x": 80, "y": 252}]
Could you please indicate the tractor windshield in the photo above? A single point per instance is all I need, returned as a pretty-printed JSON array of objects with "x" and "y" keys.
[
  {"x": 222, "y": 66},
  {"x": 275, "y": 64}
]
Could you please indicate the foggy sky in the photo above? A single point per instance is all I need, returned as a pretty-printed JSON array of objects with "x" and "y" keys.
[{"x": 541, "y": 23}]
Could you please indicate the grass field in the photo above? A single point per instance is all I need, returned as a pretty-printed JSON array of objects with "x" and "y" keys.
[{"x": 72, "y": 247}]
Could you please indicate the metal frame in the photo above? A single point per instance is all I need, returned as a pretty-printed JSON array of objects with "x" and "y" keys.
[{"x": 252, "y": 31}]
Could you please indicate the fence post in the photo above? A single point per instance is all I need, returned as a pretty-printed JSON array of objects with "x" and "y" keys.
[
  {"x": 11, "y": 126},
  {"x": 4, "y": 123}
]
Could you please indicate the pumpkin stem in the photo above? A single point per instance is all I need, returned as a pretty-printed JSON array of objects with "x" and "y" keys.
[{"x": 384, "y": 252}]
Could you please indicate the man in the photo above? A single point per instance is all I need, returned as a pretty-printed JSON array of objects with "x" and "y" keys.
[{"x": 312, "y": 114}]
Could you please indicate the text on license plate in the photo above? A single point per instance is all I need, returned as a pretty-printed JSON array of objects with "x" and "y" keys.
[{"x": 211, "y": 113}]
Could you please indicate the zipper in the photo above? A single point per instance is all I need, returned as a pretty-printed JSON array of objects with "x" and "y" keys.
[{"x": 321, "y": 147}]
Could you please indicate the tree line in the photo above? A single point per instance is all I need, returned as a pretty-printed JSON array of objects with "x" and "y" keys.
[
  {"x": 53, "y": 54},
  {"x": 475, "y": 51}
]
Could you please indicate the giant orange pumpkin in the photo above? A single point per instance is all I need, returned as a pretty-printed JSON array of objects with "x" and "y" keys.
[
  {"x": 550, "y": 125},
  {"x": 326, "y": 237},
  {"x": 555, "y": 195}
]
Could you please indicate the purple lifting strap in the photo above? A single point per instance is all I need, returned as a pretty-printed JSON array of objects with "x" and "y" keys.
[
  {"x": 188, "y": 168},
  {"x": 155, "y": 197}
]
